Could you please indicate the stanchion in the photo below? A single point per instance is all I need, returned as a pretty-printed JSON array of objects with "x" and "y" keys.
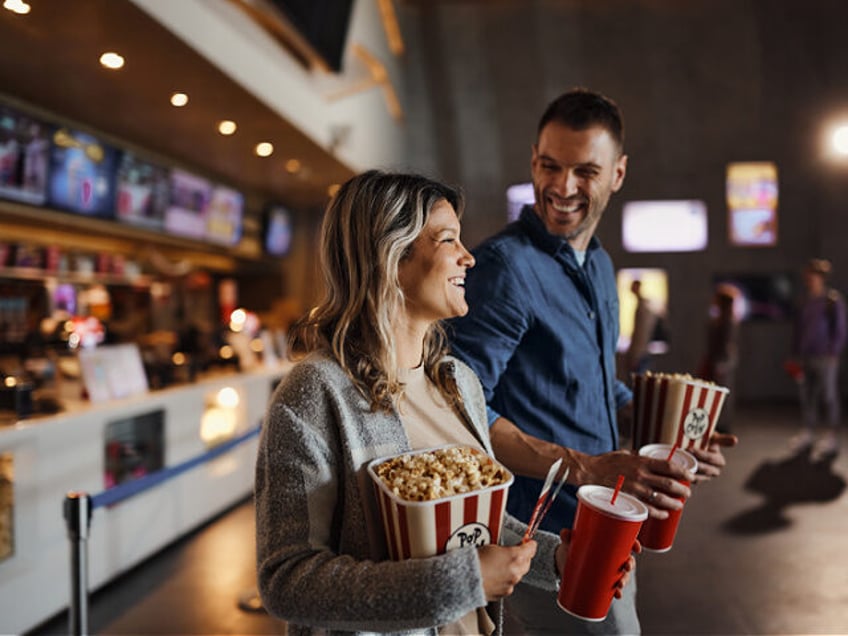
[{"x": 77, "y": 512}]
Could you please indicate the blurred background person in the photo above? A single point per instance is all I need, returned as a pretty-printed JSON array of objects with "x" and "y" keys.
[
  {"x": 722, "y": 350},
  {"x": 645, "y": 320},
  {"x": 819, "y": 339}
]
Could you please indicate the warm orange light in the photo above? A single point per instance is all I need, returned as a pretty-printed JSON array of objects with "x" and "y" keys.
[
  {"x": 179, "y": 100},
  {"x": 293, "y": 166},
  {"x": 111, "y": 60},
  {"x": 264, "y": 149},
  {"x": 17, "y": 6},
  {"x": 227, "y": 127}
]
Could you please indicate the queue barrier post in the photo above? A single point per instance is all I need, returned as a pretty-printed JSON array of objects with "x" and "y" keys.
[
  {"x": 77, "y": 513},
  {"x": 78, "y": 506}
]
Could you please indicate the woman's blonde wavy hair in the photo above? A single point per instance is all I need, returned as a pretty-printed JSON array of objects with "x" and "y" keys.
[{"x": 368, "y": 229}]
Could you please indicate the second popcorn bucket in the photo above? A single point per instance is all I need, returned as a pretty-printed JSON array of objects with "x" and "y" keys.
[
  {"x": 423, "y": 522},
  {"x": 674, "y": 408}
]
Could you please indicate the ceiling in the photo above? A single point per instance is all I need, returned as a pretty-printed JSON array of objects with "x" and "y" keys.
[{"x": 49, "y": 60}]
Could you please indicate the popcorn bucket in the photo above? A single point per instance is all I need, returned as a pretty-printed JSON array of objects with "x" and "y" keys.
[
  {"x": 673, "y": 408},
  {"x": 426, "y": 528}
]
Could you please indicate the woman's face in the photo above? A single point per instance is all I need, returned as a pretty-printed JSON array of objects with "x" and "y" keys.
[{"x": 432, "y": 277}]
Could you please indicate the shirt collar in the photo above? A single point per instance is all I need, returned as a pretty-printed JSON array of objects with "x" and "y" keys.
[{"x": 548, "y": 242}]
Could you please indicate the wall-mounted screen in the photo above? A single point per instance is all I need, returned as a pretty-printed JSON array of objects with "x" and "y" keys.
[
  {"x": 224, "y": 216},
  {"x": 752, "y": 195},
  {"x": 755, "y": 226},
  {"x": 761, "y": 296},
  {"x": 24, "y": 157},
  {"x": 82, "y": 174},
  {"x": 664, "y": 226},
  {"x": 203, "y": 211},
  {"x": 517, "y": 196},
  {"x": 323, "y": 23},
  {"x": 277, "y": 231},
  {"x": 143, "y": 192},
  {"x": 186, "y": 214}
]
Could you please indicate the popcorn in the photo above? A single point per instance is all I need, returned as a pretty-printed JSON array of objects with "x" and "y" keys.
[
  {"x": 442, "y": 472},
  {"x": 675, "y": 408},
  {"x": 439, "y": 499}
]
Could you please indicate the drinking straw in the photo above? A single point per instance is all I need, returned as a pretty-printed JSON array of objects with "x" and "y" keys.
[
  {"x": 673, "y": 451},
  {"x": 618, "y": 486},
  {"x": 549, "y": 480}
]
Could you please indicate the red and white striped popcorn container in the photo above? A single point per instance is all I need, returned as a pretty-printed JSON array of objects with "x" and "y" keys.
[
  {"x": 672, "y": 408},
  {"x": 416, "y": 529}
]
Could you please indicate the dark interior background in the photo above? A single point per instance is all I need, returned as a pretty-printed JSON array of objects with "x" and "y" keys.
[{"x": 701, "y": 83}]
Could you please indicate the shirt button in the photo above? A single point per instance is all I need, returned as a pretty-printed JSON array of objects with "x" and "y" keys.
[{"x": 591, "y": 315}]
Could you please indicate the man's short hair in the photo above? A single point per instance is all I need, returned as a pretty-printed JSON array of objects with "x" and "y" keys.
[{"x": 580, "y": 108}]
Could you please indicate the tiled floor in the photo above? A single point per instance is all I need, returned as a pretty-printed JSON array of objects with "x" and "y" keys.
[{"x": 762, "y": 550}]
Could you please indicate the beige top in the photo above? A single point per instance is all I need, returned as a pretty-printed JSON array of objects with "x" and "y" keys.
[{"x": 429, "y": 422}]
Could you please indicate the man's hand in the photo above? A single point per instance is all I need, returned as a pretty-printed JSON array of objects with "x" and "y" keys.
[
  {"x": 655, "y": 481},
  {"x": 711, "y": 459}
]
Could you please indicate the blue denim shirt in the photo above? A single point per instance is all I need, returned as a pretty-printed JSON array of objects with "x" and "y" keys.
[{"x": 541, "y": 333}]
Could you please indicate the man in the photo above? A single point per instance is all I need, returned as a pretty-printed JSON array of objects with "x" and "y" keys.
[
  {"x": 541, "y": 335},
  {"x": 820, "y": 333}
]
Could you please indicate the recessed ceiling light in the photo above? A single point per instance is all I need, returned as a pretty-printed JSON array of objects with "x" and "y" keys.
[
  {"x": 179, "y": 99},
  {"x": 264, "y": 149},
  {"x": 17, "y": 6},
  {"x": 293, "y": 166},
  {"x": 226, "y": 127},
  {"x": 111, "y": 60}
]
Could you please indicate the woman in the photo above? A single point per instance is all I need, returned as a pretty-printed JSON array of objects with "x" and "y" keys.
[{"x": 377, "y": 382}]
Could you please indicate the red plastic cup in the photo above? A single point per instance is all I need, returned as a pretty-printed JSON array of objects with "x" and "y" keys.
[
  {"x": 601, "y": 541},
  {"x": 657, "y": 535}
]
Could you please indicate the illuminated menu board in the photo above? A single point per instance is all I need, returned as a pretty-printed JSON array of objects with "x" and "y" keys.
[
  {"x": 143, "y": 192},
  {"x": 24, "y": 157},
  {"x": 224, "y": 216},
  {"x": 277, "y": 231},
  {"x": 82, "y": 174},
  {"x": 203, "y": 211}
]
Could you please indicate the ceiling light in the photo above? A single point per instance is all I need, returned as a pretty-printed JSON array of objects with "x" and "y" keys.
[
  {"x": 226, "y": 127},
  {"x": 179, "y": 99},
  {"x": 17, "y": 6},
  {"x": 840, "y": 140},
  {"x": 293, "y": 166},
  {"x": 264, "y": 149},
  {"x": 111, "y": 60}
]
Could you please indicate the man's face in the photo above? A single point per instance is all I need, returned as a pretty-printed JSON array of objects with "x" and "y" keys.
[{"x": 574, "y": 174}]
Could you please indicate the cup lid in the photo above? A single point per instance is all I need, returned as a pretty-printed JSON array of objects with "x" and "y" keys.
[
  {"x": 681, "y": 458},
  {"x": 626, "y": 507}
]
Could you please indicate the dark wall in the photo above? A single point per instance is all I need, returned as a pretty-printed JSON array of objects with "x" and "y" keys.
[{"x": 701, "y": 83}]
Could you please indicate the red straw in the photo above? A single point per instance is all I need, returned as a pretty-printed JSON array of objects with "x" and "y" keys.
[
  {"x": 673, "y": 450},
  {"x": 618, "y": 486}
]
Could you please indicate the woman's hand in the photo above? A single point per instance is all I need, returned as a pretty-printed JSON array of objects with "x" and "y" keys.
[
  {"x": 626, "y": 568},
  {"x": 503, "y": 567},
  {"x": 562, "y": 551}
]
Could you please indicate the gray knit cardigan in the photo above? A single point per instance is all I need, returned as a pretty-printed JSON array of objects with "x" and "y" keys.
[{"x": 322, "y": 560}]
